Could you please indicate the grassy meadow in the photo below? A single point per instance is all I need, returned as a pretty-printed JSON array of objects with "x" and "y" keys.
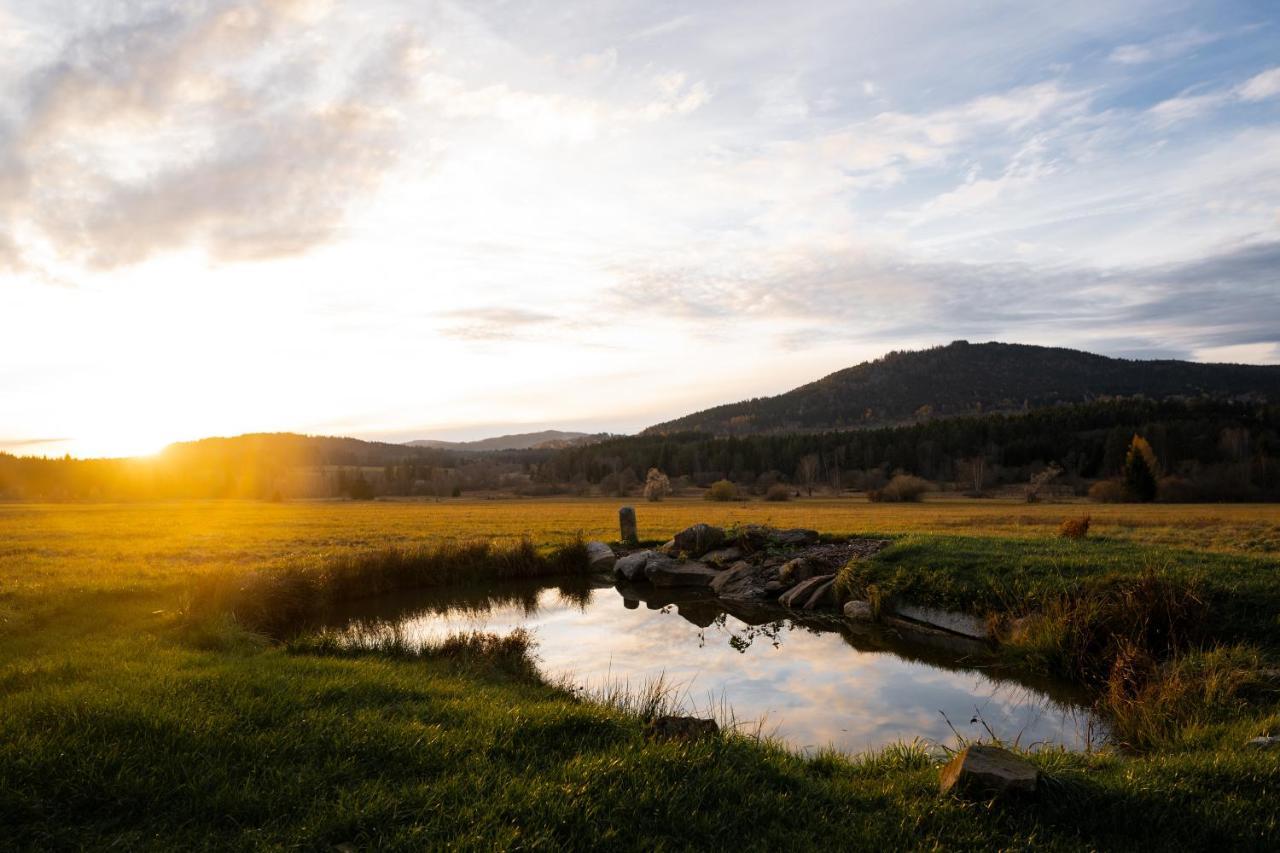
[{"x": 125, "y": 724}]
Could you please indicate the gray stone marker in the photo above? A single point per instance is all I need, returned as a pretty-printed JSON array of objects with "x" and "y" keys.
[{"x": 627, "y": 521}]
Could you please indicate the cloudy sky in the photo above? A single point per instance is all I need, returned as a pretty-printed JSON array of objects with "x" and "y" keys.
[{"x": 407, "y": 219}]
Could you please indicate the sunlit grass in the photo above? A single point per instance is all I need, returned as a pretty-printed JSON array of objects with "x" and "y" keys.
[{"x": 122, "y": 724}]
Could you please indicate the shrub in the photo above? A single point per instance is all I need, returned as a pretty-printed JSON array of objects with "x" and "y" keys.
[
  {"x": 656, "y": 485},
  {"x": 1074, "y": 528},
  {"x": 902, "y": 488},
  {"x": 1141, "y": 473},
  {"x": 722, "y": 490},
  {"x": 1107, "y": 492},
  {"x": 778, "y": 492}
]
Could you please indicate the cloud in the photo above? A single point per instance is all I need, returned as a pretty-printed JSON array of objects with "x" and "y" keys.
[
  {"x": 493, "y": 323},
  {"x": 248, "y": 130},
  {"x": 1161, "y": 49},
  {"x": 809, "y": 299},
  {"x": 1188, "y": 106},
  {"x": 20, "y": 443},
  {"x": 1260, "y": 87}
]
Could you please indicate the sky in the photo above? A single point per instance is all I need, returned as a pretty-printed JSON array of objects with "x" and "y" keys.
[{"x": 398, "y": 220}]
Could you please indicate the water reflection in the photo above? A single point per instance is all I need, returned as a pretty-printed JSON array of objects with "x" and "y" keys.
[{"x": 814, "y": 680}]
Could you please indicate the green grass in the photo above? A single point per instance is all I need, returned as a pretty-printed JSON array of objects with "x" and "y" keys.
[
  {"x": 1000, "y": 574},
  {"x": 125, "y": 726}
]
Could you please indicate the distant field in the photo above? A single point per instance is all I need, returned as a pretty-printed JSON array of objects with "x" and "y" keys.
[{"x": 60, "y": 547}]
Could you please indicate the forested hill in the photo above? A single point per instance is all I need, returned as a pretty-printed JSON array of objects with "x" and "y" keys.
[{"x": 966, "y": 379}]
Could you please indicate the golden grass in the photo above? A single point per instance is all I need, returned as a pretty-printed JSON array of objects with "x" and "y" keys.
[{"x": 101, "y": 547}]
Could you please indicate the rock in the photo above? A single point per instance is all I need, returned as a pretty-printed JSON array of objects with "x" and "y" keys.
[
  {"x": 794, "y": 571},
  {"x": 698, "y": 539},
  {"x": 1264, "y": 742},
  {"x": 753, "y": 537},
  {"x": 680, "y": 728},
  {"x": 723, "y": 556},
  {"x": 743, "y": 580},
  {"x": 859, "y": 611},
  {"x": 981, "y": 771},
  {"x": 664, "y": 571},
  {"x": 773, "y": 588},
  {"x": 627, "y": 525},
  {"x": 947, "y": 620},
  {"x": 814, "y": 589},
  {"x": 631, "y": 567},
  {"x": 823, "y": 596},
  {"x": 600, "y": 557},
  {"x": 793, "y": 538}
]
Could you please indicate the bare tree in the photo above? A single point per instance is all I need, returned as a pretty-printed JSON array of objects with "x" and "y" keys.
[
  {"x": 976, "y": 468},
  {"x": 1040, "y": 480},
  {"x": 807, "y": 471}
]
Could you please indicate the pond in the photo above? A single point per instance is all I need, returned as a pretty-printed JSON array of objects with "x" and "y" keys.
[{"x": 813, "y": 681}]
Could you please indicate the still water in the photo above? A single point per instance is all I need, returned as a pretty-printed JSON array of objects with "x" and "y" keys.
[{"x": 813, "y": 681}]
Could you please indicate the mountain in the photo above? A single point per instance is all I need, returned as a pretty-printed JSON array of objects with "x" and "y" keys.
[
  {"x": 546, "y": 440},
  {"x": 964, "y": 378}
]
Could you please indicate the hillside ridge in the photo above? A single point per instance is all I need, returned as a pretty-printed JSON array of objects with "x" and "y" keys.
[{"x": 962, "y": 378}]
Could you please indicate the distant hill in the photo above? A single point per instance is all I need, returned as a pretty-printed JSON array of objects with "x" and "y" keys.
[
  {"x": 965, "y": 379},
  {"x": 549, "y": 439}
]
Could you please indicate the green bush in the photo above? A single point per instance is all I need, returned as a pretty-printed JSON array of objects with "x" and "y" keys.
[{"x": 778, "y": 492}]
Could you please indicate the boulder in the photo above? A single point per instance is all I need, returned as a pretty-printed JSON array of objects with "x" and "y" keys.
[
  {"x": 753, "y": 537},
  {"x": 631, "y": 567},
  {"x": 859, "y": 611},
  {"x": 600, "y": 557},
  {"x": 794, "y": 571},
  {"x": 680, "y": 728},
  {"x": 698, "y": 539},
  {"x": 723, "y": 556},
  {"x": 947, "y": 620},
  {"x": 808, "y": 594},
  {"x": 744, "y": 580},
  {"x": 982, "y": 771},
  {"x": 664, "y": 571}
]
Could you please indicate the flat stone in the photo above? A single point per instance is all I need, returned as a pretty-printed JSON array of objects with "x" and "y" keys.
[
  {"x": 794, "y": 538},
  {"x": 698, "y": 539},
  {"x": 663, "y": 571},
  {"x": 600, "y": 557},
  {"x": 798, "y": 596},
  {"x": 947, "y": 620},
  {"x": 723, "y": 556},
  {"x": 982, "y": 771},
  {"x": 1264, "y": 742},
  {"x": 859, "y": 611},
  {"x": 631, "y": 567}
]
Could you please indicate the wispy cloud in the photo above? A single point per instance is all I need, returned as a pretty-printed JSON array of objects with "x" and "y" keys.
[
  {"x": 493, "y": 323},
  {"x": 1162, "y": 49}
]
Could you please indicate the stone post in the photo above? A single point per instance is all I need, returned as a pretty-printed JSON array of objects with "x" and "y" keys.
[{"x": 627, "y": 521}]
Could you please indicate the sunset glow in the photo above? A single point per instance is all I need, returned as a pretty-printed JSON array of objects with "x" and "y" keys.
[{"x": 396, "y": 220}]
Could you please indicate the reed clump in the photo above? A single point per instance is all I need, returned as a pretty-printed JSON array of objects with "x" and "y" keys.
[{"x": 281, "y": 601}]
